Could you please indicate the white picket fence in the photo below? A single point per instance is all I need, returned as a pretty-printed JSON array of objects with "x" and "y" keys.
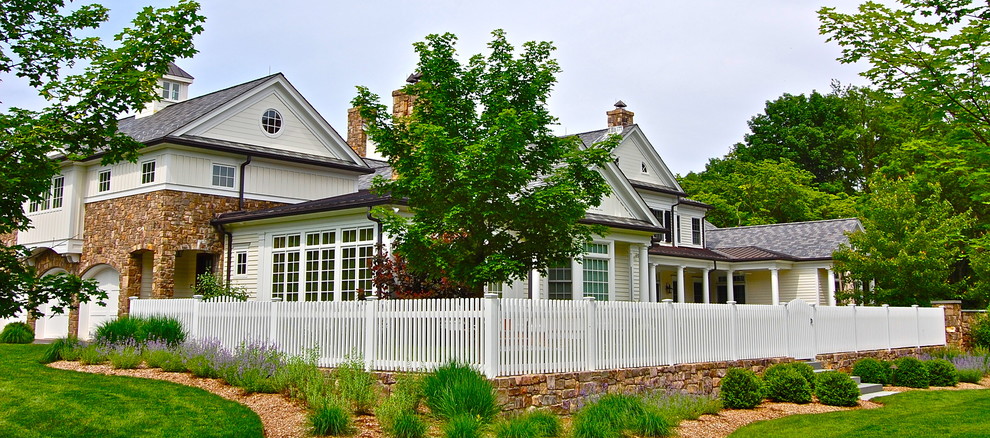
[{"x": 518, "y": 336}]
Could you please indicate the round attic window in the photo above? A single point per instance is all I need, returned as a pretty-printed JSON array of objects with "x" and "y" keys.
[{"x": 271, "y": 121}]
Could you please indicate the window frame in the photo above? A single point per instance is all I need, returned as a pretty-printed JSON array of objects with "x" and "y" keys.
[
  {"x": 278, "y": 125},
  {"x": 103, "y": 184},
  {"x": 240, "y": 262},
  {"x": 148, "y": 175},
  {"x": 696, "y": 231},
  {"x": 609, "y": 271},
  {"x": 330, "y": 266},
  {"x": 216, "y": 180},
  {"x": 170, "y": 90}
]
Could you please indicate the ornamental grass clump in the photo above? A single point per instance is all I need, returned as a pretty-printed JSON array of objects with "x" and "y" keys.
[
  {"x": 205, "y": 358},
  {"x": 253, "y": 367},
  {"x": 300, "y": 378},
  {"x": 330, "y": 417},
  {"x": 941, "y": 373},
  {"x": 614, "y": 415},
  {"x": 159, "y": 328},
  {"x": 61, "y": 349},
  {"x": 786, "y": 384},
  {"x": 140, "y": 330},
  {"x": 834, "y": 388},
  {"x": 463, "y": 426},
  {"x": 397, "y": 414},
  {"x": 871, "y": 370},
  {"x": 534, "y": 424},
  {"x": 910, "y": 372},
  {"x": 455, "y": 388},
  {"x": 677, "y": 406},
  {"x": 119, "y": 331},
  {"x": 17, "y": 333},
  {"x": 124, "y": 356},
  {"x": 741, "y": 389},
  {"x": 356, "y": 386}
]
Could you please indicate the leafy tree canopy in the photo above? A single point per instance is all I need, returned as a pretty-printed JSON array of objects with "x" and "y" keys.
[
  {"x": 910, "y": 248},
  {"x": 494, "y": 193},
  {"x": 87, "y": 84},
  {"x": 754, "y": 193}
]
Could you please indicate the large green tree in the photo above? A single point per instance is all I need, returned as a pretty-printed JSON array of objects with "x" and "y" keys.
[
  {"x": 910, "y": 248},
  {"x": 87, "y": 84},
  {"x": 754, "y": 193},
  {"x": 493, "y": 192}
]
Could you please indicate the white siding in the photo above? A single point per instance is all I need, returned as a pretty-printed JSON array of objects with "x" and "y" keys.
[
  {"x": 622, "y": 268},
  {"x": 612, "y": 206},
  {"x": 185, "y": 274},
  {"x": 56, "y": 226},
  {"x": 631, "y": 162},
  {"x": 799, "y": 283},
  {"x": 758, "y": 287},
  {"x": 147, "y": 274},
  {"x": 245, "y": 127},
  {"x": 249, "y": 243},
  {"x": 686, "y": 213}
]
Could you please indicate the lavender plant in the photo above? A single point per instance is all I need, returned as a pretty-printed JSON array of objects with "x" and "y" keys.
[
  {"x": 125, "y": 355},
  {"x": 205, "y": 358},
  {"x": 93, "y": 354},
  {"x": 158, "y": 354},
  {"x": 253, "y": 367}
]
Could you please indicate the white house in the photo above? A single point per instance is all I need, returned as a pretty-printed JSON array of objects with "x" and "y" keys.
[{"x": 251, "y": 182}]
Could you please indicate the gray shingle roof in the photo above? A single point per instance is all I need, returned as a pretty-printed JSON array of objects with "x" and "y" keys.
[
  {"x": 381, "y": 168},
  {"x": 180, "y": 114},
  {"x": 814, "y": 240},
  {"x": 174, "y": 70}
]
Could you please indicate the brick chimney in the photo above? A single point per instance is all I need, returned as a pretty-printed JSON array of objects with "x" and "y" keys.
[
  {"x": 357, "y": 138},
  {"x": 620, "y": 116},
  {"x": 402, "y": 103}
]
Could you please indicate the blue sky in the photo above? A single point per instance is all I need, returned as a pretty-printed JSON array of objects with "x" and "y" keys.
[{"x": 693, "y": 72}]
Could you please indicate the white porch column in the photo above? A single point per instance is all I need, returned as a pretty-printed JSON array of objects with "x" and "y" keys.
[
  {"x": 534, "y": 287},
  {"x": 831, "y": 287},
  {"x": 653, "y": 283},
  {"x": 775, "y": 286},
  {"x": 680, "y": 284},
  {"x": 730, "y": 289},
  {"x": 644, "y": 273},
  {"x": 704, "y": 287}
]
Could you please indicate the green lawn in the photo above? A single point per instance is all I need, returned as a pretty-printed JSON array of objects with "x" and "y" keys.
[
  {"x": 909, "y": 414},
  {"x": 37, "y": 401}
]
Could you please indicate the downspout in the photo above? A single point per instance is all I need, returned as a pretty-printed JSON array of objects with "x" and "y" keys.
[
  {"x": 378, "y": 245},
  {"x": 240, "y": 192},
  {"x": 230, "y": 251}
]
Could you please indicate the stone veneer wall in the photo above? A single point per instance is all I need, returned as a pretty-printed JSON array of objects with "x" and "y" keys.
[
  {"x": 565, "y": 393},
  {"x": 162, "y": 222}
]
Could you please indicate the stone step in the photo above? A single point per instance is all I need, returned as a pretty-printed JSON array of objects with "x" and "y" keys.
[
  {"x": 867, "y": 388},
  {"x": 815, "y": 365},
  {"x": 856, "y": 379},
  {"x": 873, "y": 395}
]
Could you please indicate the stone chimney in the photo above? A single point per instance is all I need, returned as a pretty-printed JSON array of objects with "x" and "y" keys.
[
  {"x": 402, "y": 103},
  {"x": 620, "y": 116},
  {"x": 173, "y": 87},
  {"x": 357, "y": 138}
]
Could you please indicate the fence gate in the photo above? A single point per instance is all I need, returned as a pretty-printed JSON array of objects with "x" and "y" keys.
[{"x": 800, "y": 331}]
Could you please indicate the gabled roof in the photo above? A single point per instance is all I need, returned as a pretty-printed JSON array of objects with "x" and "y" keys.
[
  {"x": 683, "y": 251},
  {"x": 813, "y": 240},
  {"x": 174, "y": 70},
  {"x": 180, "y": 114}
]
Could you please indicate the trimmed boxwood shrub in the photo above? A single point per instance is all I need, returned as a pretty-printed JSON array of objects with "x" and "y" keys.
[
  {"x": 741, "y": 389},
  {"x": 836, "y": 389},
  {"x": 941, "y": 373},
  {"x": 17, "y": 333},
  {"x": 910, "y": 372},
  {"x": 802, "y": 368},
  {"x": 786, "y": 384},
  {"x": 871, "y": 370}
]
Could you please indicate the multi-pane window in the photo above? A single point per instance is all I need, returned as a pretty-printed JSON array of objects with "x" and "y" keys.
[
  {"x": 52, "y": 198},
  {"x": 596, "y": 271},
  {"x": 170, "y": 90},
  {"x": 496, "y": 288},
  {"x": 147, "y": 172},
  {"x": 271, "y": 121},
  {"x": 560, "y": 284},
  {"x": 329, "y": 265},
  {"x": 223, "y": 175},
  {"x": 104, "y": 180},
  {"x": 241, "y": 263},
  {"x": 696, "y": 231}
]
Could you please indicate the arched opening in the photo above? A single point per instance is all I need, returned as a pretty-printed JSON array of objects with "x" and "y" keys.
[
  {"x": 92, "y": 314},
  {"x": 52, "y": 325}
]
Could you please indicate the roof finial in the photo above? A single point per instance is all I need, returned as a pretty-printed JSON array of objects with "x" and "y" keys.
[{"x": 620, "y": 104}]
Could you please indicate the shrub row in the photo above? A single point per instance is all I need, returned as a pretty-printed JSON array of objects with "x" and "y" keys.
[
  {"x": 908, "y": 371},
  {"x": 791, "y": 382}
]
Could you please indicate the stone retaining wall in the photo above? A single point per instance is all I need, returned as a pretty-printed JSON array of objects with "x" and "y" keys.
[{"x": 565, "y": 393}]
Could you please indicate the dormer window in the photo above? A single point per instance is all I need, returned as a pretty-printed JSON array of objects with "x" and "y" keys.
[{"x": 170, "y": 90}]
